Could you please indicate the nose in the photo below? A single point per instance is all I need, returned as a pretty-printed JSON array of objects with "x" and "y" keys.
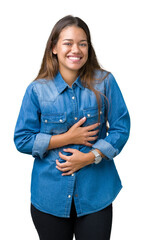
[{"x": 75, "y": 48}]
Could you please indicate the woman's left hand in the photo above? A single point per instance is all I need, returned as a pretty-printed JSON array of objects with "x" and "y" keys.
[{"x": 73, "y": 163}]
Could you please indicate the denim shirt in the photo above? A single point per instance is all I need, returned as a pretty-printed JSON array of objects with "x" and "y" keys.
[{"x": 51, "y": 107}]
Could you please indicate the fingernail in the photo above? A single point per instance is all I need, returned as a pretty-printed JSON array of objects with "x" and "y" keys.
[{"x": 84, "y": 117}]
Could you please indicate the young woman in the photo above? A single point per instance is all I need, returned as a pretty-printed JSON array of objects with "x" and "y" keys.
[{"x": 63, "y": 124}]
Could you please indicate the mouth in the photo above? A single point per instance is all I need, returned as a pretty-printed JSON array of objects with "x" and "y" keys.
[{"x": 74, "y": 58}]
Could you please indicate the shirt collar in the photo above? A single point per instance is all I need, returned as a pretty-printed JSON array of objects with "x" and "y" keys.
[{"x": 61, "y": 85}]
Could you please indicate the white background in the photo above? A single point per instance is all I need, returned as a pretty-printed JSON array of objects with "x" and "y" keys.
[{"x": 117, "y": 35}]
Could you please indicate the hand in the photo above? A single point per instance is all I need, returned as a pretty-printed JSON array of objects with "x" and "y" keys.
[
  {"x": 73, "y": 163},
  {"x": 82, "y": 135}
]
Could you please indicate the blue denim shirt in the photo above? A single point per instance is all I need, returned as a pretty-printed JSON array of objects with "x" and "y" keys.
[{"x": 51, "y": 107}]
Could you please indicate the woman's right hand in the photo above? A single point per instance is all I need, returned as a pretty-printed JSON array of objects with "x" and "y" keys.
[{"x": 82, "y": 135}]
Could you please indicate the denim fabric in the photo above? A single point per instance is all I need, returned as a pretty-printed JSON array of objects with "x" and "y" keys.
[{"x": 51, "y": 107}]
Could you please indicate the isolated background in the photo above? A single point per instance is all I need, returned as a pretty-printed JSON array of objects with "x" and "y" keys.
[{"x": 117, "y": 35}]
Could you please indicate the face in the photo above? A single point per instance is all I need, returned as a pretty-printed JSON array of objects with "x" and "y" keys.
[{"x": 71, "y": 49}]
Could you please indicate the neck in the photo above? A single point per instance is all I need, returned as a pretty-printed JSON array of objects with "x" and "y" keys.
[{"x": 69, "y": 76}]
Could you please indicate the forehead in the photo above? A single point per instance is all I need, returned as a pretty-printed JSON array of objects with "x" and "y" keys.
[{"x": 73, "y": 32}]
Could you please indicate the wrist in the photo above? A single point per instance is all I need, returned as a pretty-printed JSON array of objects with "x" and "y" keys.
[
  {"x": 90, "y": 158},
  {"x": 97, "y": 155},
  {"x": 67, "y": 138}
]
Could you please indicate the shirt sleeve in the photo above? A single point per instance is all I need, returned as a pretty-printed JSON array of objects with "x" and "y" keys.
[
  {"x": 27, "y": 136},
  {"x": 118, "y": 119}
]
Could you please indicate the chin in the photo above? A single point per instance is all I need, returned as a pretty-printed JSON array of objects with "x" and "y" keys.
[{"x": 75, "y": 68}]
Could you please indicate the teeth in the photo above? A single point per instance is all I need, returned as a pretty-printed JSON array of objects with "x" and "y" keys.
[{"x": 74, "y": 58}]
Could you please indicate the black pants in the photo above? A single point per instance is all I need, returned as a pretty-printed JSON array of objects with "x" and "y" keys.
[{"x": 95, "y": 226}]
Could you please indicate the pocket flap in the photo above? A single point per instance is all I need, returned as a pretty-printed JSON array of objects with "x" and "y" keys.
[
  {"x": 90, "y": 113},
  {"x": 54, "y": 118}
]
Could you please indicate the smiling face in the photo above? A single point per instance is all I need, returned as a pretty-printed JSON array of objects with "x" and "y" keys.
[{"x": 71, "y": 49}]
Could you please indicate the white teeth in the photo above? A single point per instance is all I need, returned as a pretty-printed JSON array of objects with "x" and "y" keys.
[{"x": 74, "y": 58}]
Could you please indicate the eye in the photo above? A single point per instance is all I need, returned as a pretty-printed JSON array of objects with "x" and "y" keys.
[
  {"x": 83, "y": 44},
  {"x": 68, "y": 44}
]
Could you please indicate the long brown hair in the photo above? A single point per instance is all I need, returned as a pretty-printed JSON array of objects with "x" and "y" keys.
[{"x": 50, "y": 66}]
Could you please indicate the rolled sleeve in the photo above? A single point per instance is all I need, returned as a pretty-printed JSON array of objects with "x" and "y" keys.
[
  {"x": 106, "y": 148},
  {"x": 40, "y": 147}
]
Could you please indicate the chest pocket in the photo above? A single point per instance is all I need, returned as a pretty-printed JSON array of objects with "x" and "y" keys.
[
  {"x": 92, "y": 116},
  {"x": 53, "y": 123}
]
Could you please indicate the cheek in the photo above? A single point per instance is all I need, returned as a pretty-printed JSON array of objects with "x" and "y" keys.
[
  {"x": 85, "y": 53},
  {"x": 62, "y": 53}
]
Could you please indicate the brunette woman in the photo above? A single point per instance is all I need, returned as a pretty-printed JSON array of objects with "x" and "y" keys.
[{"x": 74, "y": 121}]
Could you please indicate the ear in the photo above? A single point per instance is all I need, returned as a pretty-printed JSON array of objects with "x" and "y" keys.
[{"x": 54, "y": 50}]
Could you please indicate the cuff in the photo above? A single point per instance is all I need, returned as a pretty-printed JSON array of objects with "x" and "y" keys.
[
  {"x": 106, "y": 148},
  {"x": 41, "y": 143}
]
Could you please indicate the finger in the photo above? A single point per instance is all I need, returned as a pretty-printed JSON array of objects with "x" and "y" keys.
[
  {"x": 67, "y": 174},
  {"x": 63, "y": 169},
  {"x": 80, "y": 122},
  {"x": 71, "y": 150},
  {"x": 92, "y": 133},
  {"x": 91, "y": 127},
  {"x": 64, "y": 157},
  {"x": 92, "y": 138},
  {"x": 62, "y": 165},
  {"x": 88, "y": 144}
]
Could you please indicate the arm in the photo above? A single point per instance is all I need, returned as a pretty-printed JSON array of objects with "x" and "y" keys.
[
  {"x": 75, "y": 135},
  {"x": 74, "y": 162},
  {"x": 27, "y": 136},
  {"x": 119, "y": 121}
]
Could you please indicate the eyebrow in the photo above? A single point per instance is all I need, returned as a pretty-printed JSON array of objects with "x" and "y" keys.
[{"x": 72, "y": 40}]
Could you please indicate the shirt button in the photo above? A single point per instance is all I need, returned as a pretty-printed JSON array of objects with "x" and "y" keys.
[
  {"x": 72, "y": 174},
  {"x": 69, "y": 196},
  {"x": 73, "y": 97},
  {"x": 46, "y": 121},
  {"x": 88, "y": 115},
  {"x": 75, "y": 118},
  {"x": 100, "y": 112},
  {"x": 61, "y": 120}
]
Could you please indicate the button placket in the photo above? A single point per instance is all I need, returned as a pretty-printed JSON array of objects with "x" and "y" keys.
[
  {"x": 70, "y": 191},
  {"x": 74, "y": 104}
]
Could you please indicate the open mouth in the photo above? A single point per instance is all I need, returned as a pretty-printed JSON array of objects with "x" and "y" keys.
[{"x": 74, "y": 58}]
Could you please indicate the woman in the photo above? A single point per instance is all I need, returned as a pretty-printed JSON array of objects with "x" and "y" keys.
[{"x": 63, "y": 124}]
